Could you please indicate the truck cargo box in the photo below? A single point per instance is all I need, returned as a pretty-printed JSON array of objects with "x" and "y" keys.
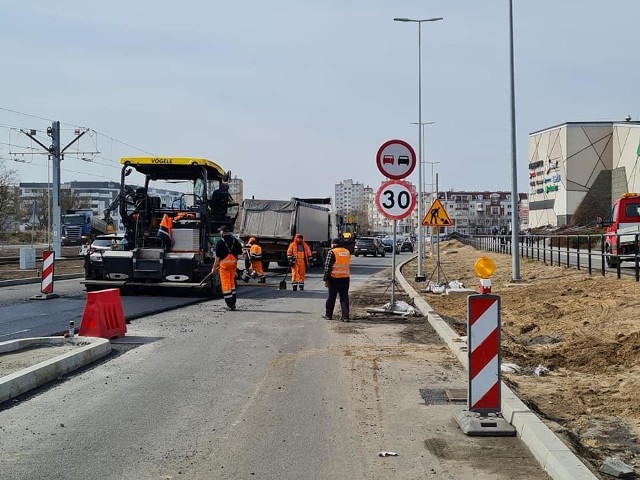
[{"x": 282, "y": 219}]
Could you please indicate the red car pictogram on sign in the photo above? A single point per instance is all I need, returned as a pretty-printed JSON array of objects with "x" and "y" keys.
[{"x": 387, "y": 159}]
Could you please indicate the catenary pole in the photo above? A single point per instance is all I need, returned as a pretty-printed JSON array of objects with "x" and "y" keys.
[{"x": 55, "y": 208}]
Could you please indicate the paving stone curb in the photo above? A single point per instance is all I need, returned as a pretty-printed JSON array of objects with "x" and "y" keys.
[
  {"x": 89, "y": 350},
  {"x": 553, "y": 455}
]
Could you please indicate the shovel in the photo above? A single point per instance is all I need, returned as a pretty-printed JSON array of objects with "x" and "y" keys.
[
  {"x": 205, "y": 279},
  {"x": 283, "y": 283}
]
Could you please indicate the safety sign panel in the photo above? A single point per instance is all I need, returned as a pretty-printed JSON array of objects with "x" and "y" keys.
[
  {"x": 437, "y": 216},
  {"x": 395, "y": 199},
  {"x": 396, "y": 159}
]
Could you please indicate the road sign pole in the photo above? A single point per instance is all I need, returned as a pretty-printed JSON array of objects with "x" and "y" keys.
[
  {"x": 438, "y": 247},
  {"x": 393, "y": 266}
]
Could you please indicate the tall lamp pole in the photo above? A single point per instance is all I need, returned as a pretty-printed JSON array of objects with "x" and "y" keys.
[
  {"x": 421, "y": 146},
  {"x": 515, "y": 220},
  {"x": 419, "y": 274}
]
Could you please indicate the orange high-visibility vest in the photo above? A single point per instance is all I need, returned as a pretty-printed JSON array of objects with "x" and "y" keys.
[
  {"x": 341, "y": 267},
  {"x": 164, "y": 231},
  {"x": 255, "y": 252}
]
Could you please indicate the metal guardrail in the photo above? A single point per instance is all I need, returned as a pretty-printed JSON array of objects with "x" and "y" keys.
[{"x": 584, "y": 251}]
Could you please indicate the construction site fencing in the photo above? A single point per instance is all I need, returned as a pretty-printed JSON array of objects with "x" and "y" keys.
[{"x": 581, "y": 251}]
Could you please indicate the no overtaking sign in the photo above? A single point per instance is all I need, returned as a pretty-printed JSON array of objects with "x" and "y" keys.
[{"x": 396, "y": 159}]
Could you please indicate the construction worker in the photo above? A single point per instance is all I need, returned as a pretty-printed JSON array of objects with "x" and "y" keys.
[
  {"x": 164, "y": 231},
  {"x": 299, "y": 256},
  {"x": 336, "y": 277},
  {"x": 228, "y": 249},
  {"x": 255, "y": 256}
]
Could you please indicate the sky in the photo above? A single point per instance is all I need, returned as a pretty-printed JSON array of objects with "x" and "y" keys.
[{"x": 294, "y": 96}]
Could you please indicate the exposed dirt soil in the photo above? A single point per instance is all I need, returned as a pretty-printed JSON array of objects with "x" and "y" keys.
[{"x": 583, "y": 329}]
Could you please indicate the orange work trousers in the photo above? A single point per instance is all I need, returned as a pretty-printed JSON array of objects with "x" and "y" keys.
[
  {"x": 256, "y": 266},
  {"x": 227, "y": 274}
]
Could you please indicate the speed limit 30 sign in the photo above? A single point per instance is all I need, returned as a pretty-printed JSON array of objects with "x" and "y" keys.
[{"x": 395, "y": 199}]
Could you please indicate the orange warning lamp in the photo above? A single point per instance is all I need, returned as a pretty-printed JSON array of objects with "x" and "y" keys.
[{"x": 484, "y": 268}]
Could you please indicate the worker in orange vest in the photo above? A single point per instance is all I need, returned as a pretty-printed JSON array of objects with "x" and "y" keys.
[
  {"x": 336, "y": 278},
  {"x": 255, "y": 256},
  {"x": 228, "y": 249},
  {"x": 164, "y": 231},
  {"x": 300, "y": 258}
]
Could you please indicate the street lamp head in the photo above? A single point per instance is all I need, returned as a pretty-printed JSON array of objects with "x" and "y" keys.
[{"x": 416, "y": 20}]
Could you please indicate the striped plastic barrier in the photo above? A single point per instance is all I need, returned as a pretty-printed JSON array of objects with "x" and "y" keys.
[
  {"x": 48, "y": 260},
  {"x": 483, "y": 337}
]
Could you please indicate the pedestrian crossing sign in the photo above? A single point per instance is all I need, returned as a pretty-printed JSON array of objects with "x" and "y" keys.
[{"x": 436, "y": 216}]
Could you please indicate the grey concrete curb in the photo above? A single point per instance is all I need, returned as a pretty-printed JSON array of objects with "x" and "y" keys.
[
  {"x": 89, "y": 349},
  {"x": 553, "y": 455}
]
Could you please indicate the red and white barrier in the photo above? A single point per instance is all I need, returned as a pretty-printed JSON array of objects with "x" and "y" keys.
[
  {"x": 48, "y": 258},
  {"x": 483, "y": 337}
]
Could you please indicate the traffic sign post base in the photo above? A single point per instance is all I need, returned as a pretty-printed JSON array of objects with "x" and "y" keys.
[
  {"x": 45, "y": 296},
  {"x": 485, "y": 425}
]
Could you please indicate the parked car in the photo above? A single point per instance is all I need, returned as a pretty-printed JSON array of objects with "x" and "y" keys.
[
  {"x": 368, "y": 246},
  {"x": 106, "y": 242},
  {"x": 388, "y": 245},
  {"x": 406, "y": 246}
]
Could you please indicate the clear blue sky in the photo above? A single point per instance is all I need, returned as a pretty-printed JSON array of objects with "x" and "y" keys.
[{"x": 294, "y": 96}]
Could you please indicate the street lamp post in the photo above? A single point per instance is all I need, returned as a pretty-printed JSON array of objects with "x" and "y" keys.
[
  {"x": 421, "y": 148},
  {"x": 419, "y": 274},
  {"x": 515, "y": 221},
  {"x": 434, "y": 195}
]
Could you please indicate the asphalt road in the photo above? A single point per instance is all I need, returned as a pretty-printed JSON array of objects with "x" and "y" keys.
[{"x": 270, "y": 391}]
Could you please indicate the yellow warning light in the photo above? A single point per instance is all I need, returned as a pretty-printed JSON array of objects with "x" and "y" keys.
[{"x": 484, "y": 267}]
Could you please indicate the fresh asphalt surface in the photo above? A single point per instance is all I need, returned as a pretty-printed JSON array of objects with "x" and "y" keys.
[{"x": 22, "y": 317}]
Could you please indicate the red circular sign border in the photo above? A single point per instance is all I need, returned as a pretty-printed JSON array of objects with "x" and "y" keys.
[
  {"x": 379, "y": 159},
  {"x": 414, "y": 200}
]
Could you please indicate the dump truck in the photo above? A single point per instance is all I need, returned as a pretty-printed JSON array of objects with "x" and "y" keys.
[
  {"x": 81, "y": 226},
  {"x": 169, "y": 243},
  {"x": 76, "y": 227},
  {"x": 274, "y": 223}
]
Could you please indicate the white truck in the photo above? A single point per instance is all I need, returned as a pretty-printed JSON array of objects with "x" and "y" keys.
[{"x": 274, "y": 223}]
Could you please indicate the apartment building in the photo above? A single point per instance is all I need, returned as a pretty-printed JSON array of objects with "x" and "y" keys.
[
  {"x": 478, "y": 213},
  {"x": 97, "y": 196}
]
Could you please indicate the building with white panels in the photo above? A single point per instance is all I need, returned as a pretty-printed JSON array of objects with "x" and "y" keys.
[{"x": 577, "y": 169}]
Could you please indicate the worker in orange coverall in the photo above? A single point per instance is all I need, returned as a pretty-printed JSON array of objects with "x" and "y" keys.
[
  {"x": 255, "y": 256},
  {"x": 300, "y": 257},
  {"x": 228, "y": 249}
]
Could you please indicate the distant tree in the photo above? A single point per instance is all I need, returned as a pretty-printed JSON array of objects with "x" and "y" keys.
[
  {"x": 362, "y": 219},
  {"x": 9, "y": 204},
  {"x": 70, "y": 200},
  {"x": 40, "y": 204}
]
